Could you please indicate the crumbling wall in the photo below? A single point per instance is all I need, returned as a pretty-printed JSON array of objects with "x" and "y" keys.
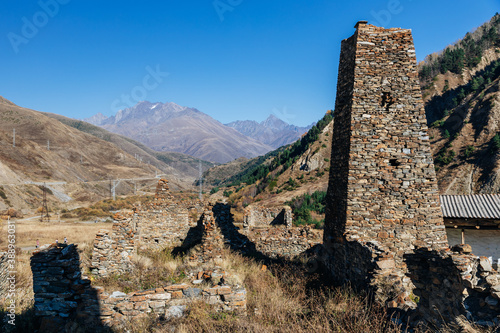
[
  {"x": 280, "y": 242},
  {"x": 112, "y": 252},
  {"x": 119, "y": 307},
  {"x": 4, "y": 272},
  {"x": 212, "y": 241},
  {"x": 162, "y": 227},
  {"x": 60, "y": 291},
  {"x": 449, "y": 284},
  {"x": 256, "y": 216},
  {"x": 62, "y": 294}
]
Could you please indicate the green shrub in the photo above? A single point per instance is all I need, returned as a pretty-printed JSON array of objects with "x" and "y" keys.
[{"x": 469, "y": 150}]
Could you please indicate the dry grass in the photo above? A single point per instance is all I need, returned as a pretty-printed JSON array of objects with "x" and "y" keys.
[
  {"x": 152, "y": 269},
  {"x": 28, "y": 231},
  {"x": 281, "y": 298}
]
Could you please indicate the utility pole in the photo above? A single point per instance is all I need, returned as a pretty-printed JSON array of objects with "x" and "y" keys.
[
  {"x": 201, "y": 183},
  {"x": 45, "y": 217},
  {"x": 14, "y": 138}
]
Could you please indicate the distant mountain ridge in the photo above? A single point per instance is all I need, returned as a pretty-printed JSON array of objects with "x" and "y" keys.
[
  {"x": 171, "y": 127},
  {"x": 272, "y": 131}
]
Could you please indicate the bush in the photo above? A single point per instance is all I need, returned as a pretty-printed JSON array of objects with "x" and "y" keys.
[
  {"x": 303, "y": 205},
  {"x": 496, "y": 143},
  {"x": 469, "y": 150}
]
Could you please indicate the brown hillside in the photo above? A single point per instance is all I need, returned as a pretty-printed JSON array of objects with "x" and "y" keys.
[
  {"x": 466, "y": 131},
  {"x": 84, "y": 162}
]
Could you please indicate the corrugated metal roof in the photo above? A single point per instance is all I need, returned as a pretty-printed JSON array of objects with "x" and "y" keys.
[{"x": 476, "y": 206}]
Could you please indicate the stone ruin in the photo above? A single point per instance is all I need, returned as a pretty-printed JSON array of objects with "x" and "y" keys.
[
  {"x": 4, "y": 274},
  {"x": 267, "y": 216},
  {"x": 112, "y": 253},
  {"x": 159, "y": 224},
  {"x": 59, "y": 288},
  {"x": 384, "y": 229},
  {"x": 64, "y": 298}
]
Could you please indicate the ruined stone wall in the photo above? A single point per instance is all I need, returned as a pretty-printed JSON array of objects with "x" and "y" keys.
[
  {"x": 164, "y": 226},
  {"x": 212, "y": 241},
  {"x": 59, "y": 287},
  {"x": 113, "y": 250},
  {"x": 280, "y": 242},
  {"x": 167, "y": 302},
  {"x": 63, "y": 295},
  {"x": 256, "y": 216},
  {"x": 4, "y": 272},
  {"x": 449, "y": 284}
]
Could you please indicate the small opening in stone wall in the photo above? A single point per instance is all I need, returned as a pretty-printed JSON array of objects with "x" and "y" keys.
[
  {"x": 394, "y": 162},
  {"x": 387, "y": 100}
]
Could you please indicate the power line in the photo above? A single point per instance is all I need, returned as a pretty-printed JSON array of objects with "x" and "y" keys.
[
  {"x": 201, "y": 183},
  {"x": 45, "y": 217}
]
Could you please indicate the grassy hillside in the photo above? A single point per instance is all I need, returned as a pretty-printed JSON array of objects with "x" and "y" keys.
[
  {"x": 296, "y": 175},
  {"x": 77, "y": 166},
  {"x": 183, "y": 168}
]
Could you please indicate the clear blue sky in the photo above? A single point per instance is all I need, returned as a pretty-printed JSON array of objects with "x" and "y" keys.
[{"x": 244, "y": 59}]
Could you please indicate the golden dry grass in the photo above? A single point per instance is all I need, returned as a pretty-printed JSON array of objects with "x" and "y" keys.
[{"x": 28, "y": 231}]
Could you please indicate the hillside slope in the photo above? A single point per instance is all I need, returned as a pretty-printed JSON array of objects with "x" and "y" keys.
[
  {"x": 181, "y": 166},
  {"x": 461, "y": 90},
  {"x": 171, "y": 127},
  {"x": 288, "y": 172},
  {"x": 76, "y": 165}
]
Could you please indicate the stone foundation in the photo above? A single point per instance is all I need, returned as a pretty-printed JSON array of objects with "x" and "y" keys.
[
  {"x": 117, "y": 308},
  {"x": 62, "y": 295}
]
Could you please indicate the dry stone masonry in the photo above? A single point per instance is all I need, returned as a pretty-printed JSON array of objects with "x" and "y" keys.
[
  {"x": 61, "y": 293},
  {"x": 384, "y": 229},
  {"x": 212, "y": 242},
  {"x": 4, "y": 271},
  {"x": 113, "y": 251},
  {"x": 117, "y": 308},
  {"x": 256, "y": 216}
]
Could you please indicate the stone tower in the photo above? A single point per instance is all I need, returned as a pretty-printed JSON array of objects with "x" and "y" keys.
[{"x": 382, "y": 196}]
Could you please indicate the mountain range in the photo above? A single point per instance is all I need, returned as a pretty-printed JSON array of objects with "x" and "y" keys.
[
  {"x": 272, "y": 131},
  {"x": 171, "y": 127},
  {"x": 77, "y": 161}
]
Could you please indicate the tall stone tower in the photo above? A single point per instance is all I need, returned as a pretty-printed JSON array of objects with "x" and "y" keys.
[{"x": 382, "y": 196}]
